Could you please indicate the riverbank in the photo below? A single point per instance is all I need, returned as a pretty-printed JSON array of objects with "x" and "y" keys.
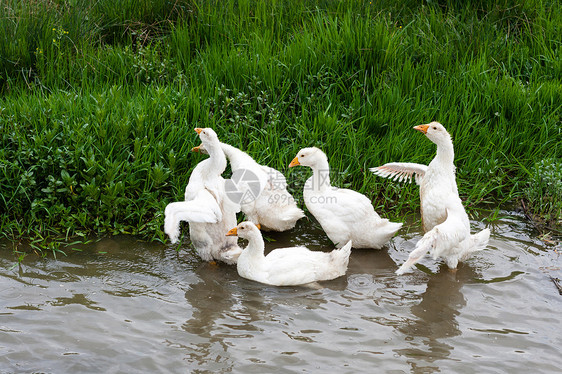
[{"x": 100, "y": 101}]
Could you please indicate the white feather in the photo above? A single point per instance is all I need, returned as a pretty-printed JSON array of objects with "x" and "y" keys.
[
  {"x": 288, "y": 266},
  {"x": 343, "y": 214},
  {"x": 444, "y": 219}
]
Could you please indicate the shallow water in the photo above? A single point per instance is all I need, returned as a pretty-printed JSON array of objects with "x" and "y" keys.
[{"x": 126, "y": 306}]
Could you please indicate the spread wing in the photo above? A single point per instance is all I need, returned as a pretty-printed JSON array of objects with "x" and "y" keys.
[
  {"x": 401, "y": 171},
  {"x": 202, "y": 208}
]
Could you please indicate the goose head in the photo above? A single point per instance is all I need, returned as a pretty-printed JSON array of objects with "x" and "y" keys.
[
  {"x": 207, "y": 135},
  {"x": 311, "y": 157},
  {"x": 244, "y": 230},
  {"x": 200, "y": 149},
  {"x": 435, "y": 132}
]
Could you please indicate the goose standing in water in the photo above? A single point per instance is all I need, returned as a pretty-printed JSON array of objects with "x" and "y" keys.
[
  {"x": 444, "y": 219},
  {"x": 208, "y": 210}
]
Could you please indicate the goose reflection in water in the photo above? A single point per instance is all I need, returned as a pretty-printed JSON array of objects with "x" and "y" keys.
[
  {"x": 212, "y": 300},
  {"x": 436, "y": 314},
  {"x": 229, "y": 311}
]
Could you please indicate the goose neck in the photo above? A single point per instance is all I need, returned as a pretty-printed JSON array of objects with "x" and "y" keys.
[
  {"x": 321, "y": 178},
  {"x": 238, "y": 159},
  {"x": 256, "y": 246},
  {"x": 217, "y": 158},
  {"x": 228, "y": 150},
  {"x": 445, "y": 152}
]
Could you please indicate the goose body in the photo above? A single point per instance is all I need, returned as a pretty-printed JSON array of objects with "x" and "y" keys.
[
  {"x": 444, "y": 219},
  {"x": 266, "y": 202},
  {"x": 286, "y": 266},
  {"x": 343, "y": 214},
  {"x": 206, "y": 207}
]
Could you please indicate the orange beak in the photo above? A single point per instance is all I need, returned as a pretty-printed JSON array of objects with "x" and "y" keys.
[
  {"x": 295, "y": 162},
  {"x": 422, "y": 128},
  {"x": 198, "y": 130},
  {"x": 195, "y": 149},
  {"x": 232, "y": 232},
  {"x": 258, "y": 226}
]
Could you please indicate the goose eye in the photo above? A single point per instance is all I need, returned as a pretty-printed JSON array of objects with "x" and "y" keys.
[
  {"x": 242, "y": 228},
  {"x": 302, "y": 156},
  {"x": 434, "y": 127}
]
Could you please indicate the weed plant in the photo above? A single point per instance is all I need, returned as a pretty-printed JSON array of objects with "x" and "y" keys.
[
  {"x": 544, "y": 190},
  {"x": 99, "y": 101}
]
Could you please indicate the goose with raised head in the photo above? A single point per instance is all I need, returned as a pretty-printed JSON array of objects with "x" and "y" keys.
[
  {"x": 286, "y": 266},
  {"x": 343, "y": 214},
  {"x": 264, "y": 198},
  {"x": 208, "y": 210},
  {"x": 444, "y": 219}
]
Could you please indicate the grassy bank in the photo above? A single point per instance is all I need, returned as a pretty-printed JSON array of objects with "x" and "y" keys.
[{"x": 99, "y": 101}]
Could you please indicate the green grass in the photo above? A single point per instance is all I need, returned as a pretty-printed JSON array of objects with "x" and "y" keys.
[{"x": 99, "y": 101}]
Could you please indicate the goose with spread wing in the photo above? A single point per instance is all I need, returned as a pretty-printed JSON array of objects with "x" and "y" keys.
[
  {"x": 208, "y": 210},
  {"x": 444, "y": 219},
  {"x": 343, "y": 214}
]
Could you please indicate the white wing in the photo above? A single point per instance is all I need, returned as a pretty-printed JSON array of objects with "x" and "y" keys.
[
  {"x": 294, "y": 266},
  {"x": 423, "y": 246},
  {"x": 401, "y": 171},
  {"x": 444, "y": 240},
  {"x": 202, "y": 208}
]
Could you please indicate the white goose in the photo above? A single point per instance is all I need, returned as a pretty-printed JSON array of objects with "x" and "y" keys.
[
  {"x": 208, "y": 210},
  {"x": 267, "y": 202},
  {"x": 445, "y": 222},
  {"x": 343, "y": 214},
  {"x": 286, "y": 266}
]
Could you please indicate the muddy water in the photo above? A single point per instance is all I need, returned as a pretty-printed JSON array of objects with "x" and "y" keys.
[{"x": 123, "y": 306}]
